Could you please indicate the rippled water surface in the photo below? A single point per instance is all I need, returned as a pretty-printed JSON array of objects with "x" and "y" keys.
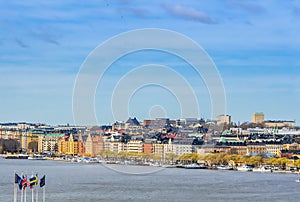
[{"x": 95, "y": 182}]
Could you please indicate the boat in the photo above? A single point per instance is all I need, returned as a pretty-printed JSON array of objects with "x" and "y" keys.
[
  {"x": 262, "y": 169},
  {"x": 90, "y": 160},
  {"x": 76, "y": 160},
  {"x": 244, "y": 168},
  {"x": 36, "y": 157},
  {"x": 169, "y": 166},
  {"x": 222, "y": 167},
  {"x": 297, "y": 180},
  {"x": 194, "y": 166},
  {"x": 17, "y": 156}
]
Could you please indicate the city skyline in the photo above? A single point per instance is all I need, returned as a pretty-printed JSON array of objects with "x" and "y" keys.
[{"x": 254, "y": 45}]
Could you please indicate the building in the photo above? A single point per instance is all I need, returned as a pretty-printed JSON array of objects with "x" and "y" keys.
[
  {"x": 274, "y": 149},
  {"x": 147, "y": 123},
  {"x": 31, "y": 141},
  {"x": 291, "y": 147},
  {"x": 117, "y": 147},
  {"x": 279, "y": 123},
  {"x": 68, "y": 146},
  {"x": 258, "y": 117},
  {"x": 256, "y": 148},
  {"x": 81, "y": 147},
  {"x": 188, "y": 121},
  {"x": 158, "y": 149},
  {"x": 135, "y": 146},
  {"x": 148, "y": 148},
  {"x": 208, "y": 149},
  {"x": 50, "y": 142},
  {"x": 94, "y": 144},
  {"x": 223, "y": 119}
]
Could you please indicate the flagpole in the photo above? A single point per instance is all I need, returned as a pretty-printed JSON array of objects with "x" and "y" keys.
[
  {"x": 22, "y": 194},
  {"x": 36, "y": 188},
  {"x": 32, "y": 196},
  {"x": 15, "y": 188},
  {"x": 37, "y": 195},
  {"x": 31, "y": 187},
  {"x": 25, "y": 195},
  {"x": 26, "y": 177},
  {"x": 22, "y": 190},
  {"x": 43, "y": 193}
]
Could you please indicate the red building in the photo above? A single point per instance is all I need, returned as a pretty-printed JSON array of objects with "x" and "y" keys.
[{"x": 148, "y": 148}]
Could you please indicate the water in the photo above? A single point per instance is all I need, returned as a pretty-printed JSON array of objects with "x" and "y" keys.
[{"x": 94, "y": 182}]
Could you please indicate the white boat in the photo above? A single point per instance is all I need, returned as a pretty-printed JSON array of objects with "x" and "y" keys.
[
  {"x": 193, "y": 166},
  {"x": 262, "y": 169},
  {"x": 36, "y": 157},
  {"x": 222, "y": 167},
  {"x": 244, "y": 168},
  {"x": 297, "y": 180},
  {"x": 76, "y": 160},
  {"x": 169, "y": 166},
  {"x": 90, "y": 160}
]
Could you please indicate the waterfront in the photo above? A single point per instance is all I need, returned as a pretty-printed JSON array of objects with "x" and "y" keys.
[{"x": 95, "y": 182}]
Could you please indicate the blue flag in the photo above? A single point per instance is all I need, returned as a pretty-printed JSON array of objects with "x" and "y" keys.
[
  {"x": 18, "y": 180},
  {"x": 43, "y": 181}
]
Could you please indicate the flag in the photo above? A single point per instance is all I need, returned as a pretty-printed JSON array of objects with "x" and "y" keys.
[
  {"x": 43, "y": 181},
  {"x": 33, "y": 181},
  {"x": 18, "y": 180},
  {"x": 24, "y": 182}
]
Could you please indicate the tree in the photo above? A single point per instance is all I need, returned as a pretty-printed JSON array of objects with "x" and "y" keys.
[
  {"x": 255, "y": 160},
  {"x": 189, "y": 158},
  {"x": 33, "y": 146},
  {"x": 171, "y": 157},
  {"x": 9, "y": 145},
  {"x": 297, "y": 163}
]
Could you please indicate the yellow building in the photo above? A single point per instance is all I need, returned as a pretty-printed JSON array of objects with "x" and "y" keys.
[
  {"x": 31, "y": 141},
  {"x": 258, "y": 117},
  {"x": 68, "y": 146}
]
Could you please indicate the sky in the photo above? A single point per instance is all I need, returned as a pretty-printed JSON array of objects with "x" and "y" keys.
[{"x": 255, "y": 46}]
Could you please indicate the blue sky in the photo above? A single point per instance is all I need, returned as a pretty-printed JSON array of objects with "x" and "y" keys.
[{"x": 254, "y": 44}]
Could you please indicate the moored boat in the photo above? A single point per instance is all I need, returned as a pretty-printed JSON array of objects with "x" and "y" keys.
[
  {"x": 17, "y": 156},
  {"x": 222, "y": 167},
  {"x": 194, "y": 166},
  {"x": 169, "y": 166},
  {"x": 244, "y": 168},
  {"x": 262, "y": 169},
  {"x": 36, "y": 157}
]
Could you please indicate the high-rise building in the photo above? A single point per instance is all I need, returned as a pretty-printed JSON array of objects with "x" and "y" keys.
[{"x": 258, "y": 117}]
